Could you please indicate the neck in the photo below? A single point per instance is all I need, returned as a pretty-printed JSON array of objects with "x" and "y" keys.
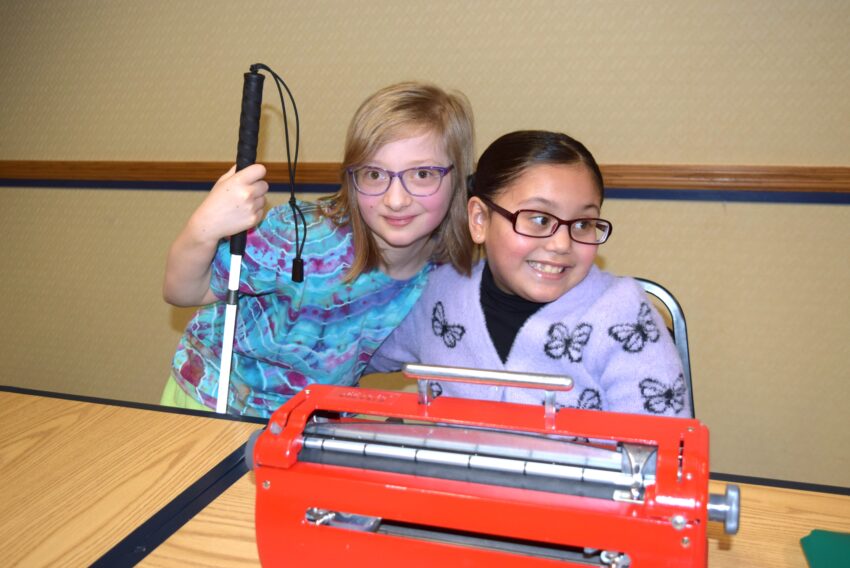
[{"x": 405, "y": 263}]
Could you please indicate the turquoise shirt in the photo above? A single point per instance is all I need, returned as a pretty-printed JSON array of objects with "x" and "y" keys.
[{"x": 289, "y": 334}]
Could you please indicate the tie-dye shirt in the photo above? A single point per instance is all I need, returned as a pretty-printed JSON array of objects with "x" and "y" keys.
[{"x": 288, "y": 334}]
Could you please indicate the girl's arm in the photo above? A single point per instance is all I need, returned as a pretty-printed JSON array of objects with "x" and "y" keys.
[
  {"x": 234, "y": 204},
  {"x": 403, "y": 345},
  {"x": 395, "y": 351},
  {"x": 642, "y": 370}
]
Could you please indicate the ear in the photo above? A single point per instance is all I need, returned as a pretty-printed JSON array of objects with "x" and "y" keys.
[{"x": 478, "y": 216}]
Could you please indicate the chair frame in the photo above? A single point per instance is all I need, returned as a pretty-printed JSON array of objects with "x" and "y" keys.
[{"x": 680, "y": 328}]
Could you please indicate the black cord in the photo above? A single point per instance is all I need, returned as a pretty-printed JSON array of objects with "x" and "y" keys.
[{"x": 297, "y": 214}]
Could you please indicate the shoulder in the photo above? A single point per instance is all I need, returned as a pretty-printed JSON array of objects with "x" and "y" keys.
[
  {"x": 623, "y": 309},
  {"x": 620, "y": 295},
  {"x": 445, "y": 277},
  {"x": 283, "y": 221},
  {"x": 610, "y": 287},
  {"x": 447, "y": 287},
  {"x": 310, "y": 212},
  {"x": 623, "y": 287},
  {"x": 448, "y": 273},
  {"x": 600, "y": 297}
]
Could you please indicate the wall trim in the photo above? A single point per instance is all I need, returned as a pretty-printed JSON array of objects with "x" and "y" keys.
[
  {"x": 148, "y": 171},
  {"x": 828, "y": 179},
  {"x": 806, "y": 179}
]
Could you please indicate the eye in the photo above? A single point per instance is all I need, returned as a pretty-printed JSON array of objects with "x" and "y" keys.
[
  {"x": 425, "y": 174},
  {"x": 540, "y": 219},
  {"x": 372, "y": 174}
]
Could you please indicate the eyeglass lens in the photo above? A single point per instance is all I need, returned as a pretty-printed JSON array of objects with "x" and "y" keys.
[{"x": 539, "y": 224}]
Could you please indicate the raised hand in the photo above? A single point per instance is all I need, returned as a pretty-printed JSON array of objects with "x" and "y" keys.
[{"x": 234, "y": 204}]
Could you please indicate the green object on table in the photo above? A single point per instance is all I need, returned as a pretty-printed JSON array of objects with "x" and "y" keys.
[{"x": 826, "y": 549}]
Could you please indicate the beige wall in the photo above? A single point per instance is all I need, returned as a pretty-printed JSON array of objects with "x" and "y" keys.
[
  {"x": 764, "y": 286},
  {"x": 715, "y": 82}
]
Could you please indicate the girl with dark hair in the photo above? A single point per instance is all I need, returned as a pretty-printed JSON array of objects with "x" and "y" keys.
[{"x": 537, "y": 303}]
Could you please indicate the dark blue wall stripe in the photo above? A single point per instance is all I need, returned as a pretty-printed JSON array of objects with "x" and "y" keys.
[
  {"x": 786, "y": 484},
  {"x": 744, "y": 196},
  {"x": 741, "y": 196}
]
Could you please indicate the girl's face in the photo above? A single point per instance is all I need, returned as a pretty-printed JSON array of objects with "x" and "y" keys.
[
  {"x": 539, "y": 270},
  {"x": 401, "y": 223}
]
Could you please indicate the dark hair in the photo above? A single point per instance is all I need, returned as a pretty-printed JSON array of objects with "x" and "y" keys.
[{"x": 512, "y": 154}]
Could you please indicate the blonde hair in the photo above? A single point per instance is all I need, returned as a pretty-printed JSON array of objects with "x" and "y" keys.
[{"x": 394, "y": 112}]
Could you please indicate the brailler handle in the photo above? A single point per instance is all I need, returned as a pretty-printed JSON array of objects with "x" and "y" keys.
[
  {"x": 249, "y": 130},
  {"x": 424, "y": 374},
  {"x": 484, "y": 377}
]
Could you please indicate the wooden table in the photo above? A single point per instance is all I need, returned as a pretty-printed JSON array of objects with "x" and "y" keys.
[
  {"x": 773, "y": 520},
  {"x": 77, "y": 477},
  {"x": 220, "y": 535}
]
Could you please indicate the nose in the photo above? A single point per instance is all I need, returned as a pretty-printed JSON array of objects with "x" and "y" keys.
[
  {"x": 396, "y": 197},
  {"x": 560, "y": 242}
]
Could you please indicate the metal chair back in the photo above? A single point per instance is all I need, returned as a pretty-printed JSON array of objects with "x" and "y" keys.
[{"x": 679, "y": 329}]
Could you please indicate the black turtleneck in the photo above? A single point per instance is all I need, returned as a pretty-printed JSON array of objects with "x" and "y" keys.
[{"x": 504, "y": 313}]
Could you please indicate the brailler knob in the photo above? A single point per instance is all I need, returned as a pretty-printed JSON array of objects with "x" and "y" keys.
[{"x": 726, "y": 508}]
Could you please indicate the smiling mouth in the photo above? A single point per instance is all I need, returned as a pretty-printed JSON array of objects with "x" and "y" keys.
[
  {"x": 546, "y": 268},
  {"x": 399, "y": 221}
]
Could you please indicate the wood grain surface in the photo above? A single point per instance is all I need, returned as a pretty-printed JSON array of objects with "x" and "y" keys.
[
  {"x": 77, "y": 477},
  {"x": 221, "y": 535},
  {"x": 773, "y": 520}
]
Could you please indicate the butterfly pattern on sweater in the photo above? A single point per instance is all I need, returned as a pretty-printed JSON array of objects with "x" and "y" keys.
[
  {"x": 450, "y": 333},
  {"x": 562, "y": 342},
  {"x": 659, "y": 396},
  {"x": 589, "y": 399},
  {"x": 635, "y": 336}
]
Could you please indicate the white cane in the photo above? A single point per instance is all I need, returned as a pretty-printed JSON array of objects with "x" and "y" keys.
[{"x": 246, "y": 154}]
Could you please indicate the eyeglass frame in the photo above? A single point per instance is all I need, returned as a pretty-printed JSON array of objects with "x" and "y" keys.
[
  {"x": 442, "y": 170},
  {"x": 512, "y": 217}
]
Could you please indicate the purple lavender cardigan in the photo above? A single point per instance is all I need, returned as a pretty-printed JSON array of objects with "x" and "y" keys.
[{"x": 604, "y": 334}]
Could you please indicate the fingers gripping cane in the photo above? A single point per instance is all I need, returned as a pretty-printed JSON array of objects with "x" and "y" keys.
[{"x": 246, "y": 154}]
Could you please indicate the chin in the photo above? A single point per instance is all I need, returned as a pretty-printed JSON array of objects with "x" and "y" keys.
[
  {"x": 544, "y": 296},
  {"x": 401, "y": 243},
  {"x": 539, "y": 298}
]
